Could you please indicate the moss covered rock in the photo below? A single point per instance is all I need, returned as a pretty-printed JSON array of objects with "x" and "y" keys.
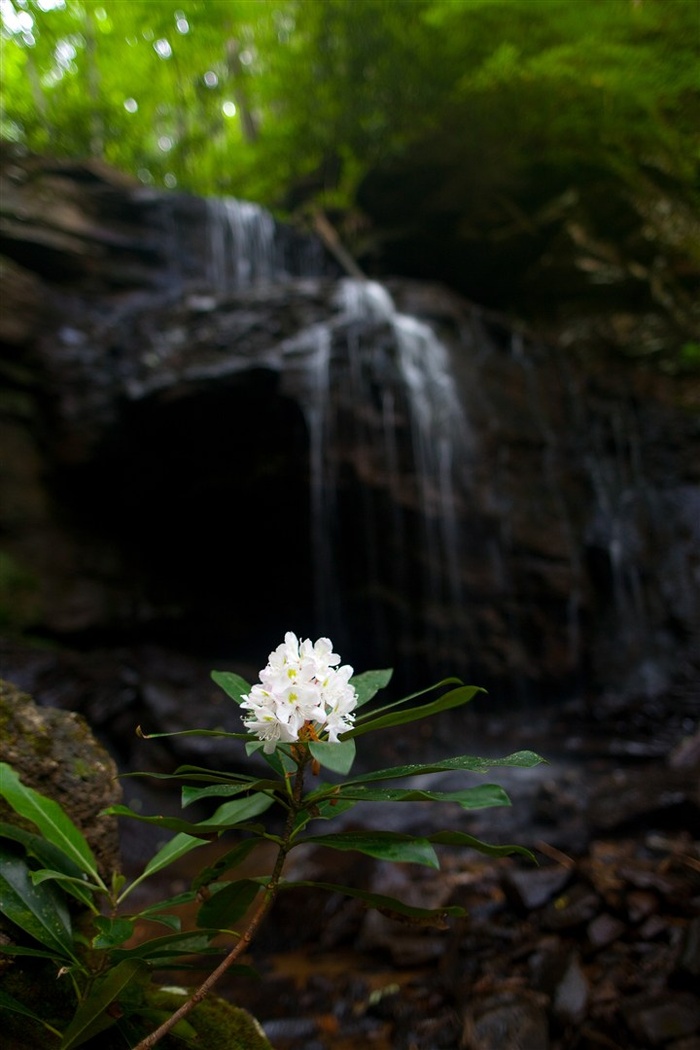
[{"x": 55, "y": 752}]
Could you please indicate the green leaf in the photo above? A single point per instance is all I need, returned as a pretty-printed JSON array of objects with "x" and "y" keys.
[
  {"x": 51, "y": 820},
  {"x": 192, "y": 794},
  {"x": 189, "y": 732},
  {"x": 38, "y": 910},
  {"x": 229, "y": 860},
  {"x": 338, "y": 757},
  {"x": 368, "y": 683},
  {"x": 385, "y": 845},
  {"x": 389, "y": 906},
  {"x": 112, "y": 932},
  {"x": 91, "y": 1018},
  {"x": 152, "y": 911},
  {"x": 225, "y": 907},
  {"x": 460, "y": 838},
  {"x": 170, "y": 946},
  {"x": 454, "y": 698},
  {"x": 52, "y": 858},
  {"x": 232, "y": 684},
  {"x": 407, "y": 699},
  {"x": 8, "y": 1002},
  {"x": 75, "y": 886},
  {"x": 469, "y": 763},
  {"x": 481, "y": 796},
  {"x": 176, "y": 847},
  {"x": 58, "y": 957},
  {"x": 225, "y": 817},
  {"x": 279, "y": 759},
  {"x": 171, "y": 922}
]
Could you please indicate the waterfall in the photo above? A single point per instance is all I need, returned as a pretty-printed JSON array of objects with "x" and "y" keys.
[
  {"x": 241, "y": 238},
  {"x": 440, "y": 435},
  {"x": 242, "y": 252}
]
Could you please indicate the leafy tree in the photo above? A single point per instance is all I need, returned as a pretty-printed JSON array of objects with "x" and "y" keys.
[{"x": 253, "y": 96}]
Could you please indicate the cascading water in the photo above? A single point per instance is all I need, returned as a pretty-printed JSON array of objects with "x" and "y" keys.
[
  {"x": 440, "y": 435},
  {"x": 241, "y": 238},
  {"x": 242, "y": 253}
]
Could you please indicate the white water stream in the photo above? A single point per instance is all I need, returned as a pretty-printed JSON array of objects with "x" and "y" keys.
[{"x": 242, "y": 253}]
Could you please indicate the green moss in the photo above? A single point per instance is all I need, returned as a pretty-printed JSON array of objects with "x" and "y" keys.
[{"x": 217, "y": 1023}]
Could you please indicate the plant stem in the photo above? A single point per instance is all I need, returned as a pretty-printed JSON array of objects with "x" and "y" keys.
[{"x": 244, "y": 941}]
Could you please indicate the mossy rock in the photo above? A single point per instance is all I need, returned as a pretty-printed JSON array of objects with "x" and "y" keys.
[
  {"x": 55, "y": 752},
  {"x": 218, "y": 1024},
  {"x": 214, "y": 1024}
]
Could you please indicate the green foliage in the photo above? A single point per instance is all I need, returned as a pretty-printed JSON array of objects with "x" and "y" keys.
[
  {"x": 62, "y": 911},
  {"x": 320, "y": 92}
]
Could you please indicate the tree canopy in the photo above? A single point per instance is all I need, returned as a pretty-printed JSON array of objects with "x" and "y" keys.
[{"x": 251, "y": 97}]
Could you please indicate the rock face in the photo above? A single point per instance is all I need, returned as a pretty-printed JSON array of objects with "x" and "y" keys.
[{"x": 214, "y": 437}]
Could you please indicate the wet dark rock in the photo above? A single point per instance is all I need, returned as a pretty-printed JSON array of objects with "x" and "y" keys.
[
  {"x": 574, "y": 907},
  {"x": 669, "y": 795},
  {"x": 535, "y": 888},
  {"x": 571, "y": 995},
  {"x": 604, "y": 929},
  {"x": 675, "y": 1015},
  {"x": 508, "y": 1022},
  {"x": 689, "y": 959}
]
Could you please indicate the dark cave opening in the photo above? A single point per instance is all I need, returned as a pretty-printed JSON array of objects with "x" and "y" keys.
[{"x": 205, "y": 497}]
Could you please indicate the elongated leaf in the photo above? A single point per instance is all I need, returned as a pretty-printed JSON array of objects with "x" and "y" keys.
[
  {"x": 338, "y": 757},
  {"x": 390, "y": 906},
  {"x": 8, "y": 1002},
  {"x": 177, "y": 847},
  {"x": 209, "y": 776},
  {"x": 226, "y": 816},
  {"x": 151, "y": 911},
  {"x": 171, "y": 946},
  {"x": 385, "y": 845},
  {"x": 232, "y": 684},
  {"x": 225, "y": 907},
  {"x": 76, "y": 887},
  {"x": 38, "y": 910},
  {"x": 469, "y": 763},
  {"x": 223, "y": 864},
  {"x": 481, "y": 796},
  {"x": 192, "y": 794},
  {"x": 191, "y": 732},
  {"x": 59, "y": 957},
  {"x": 53, "y": 823},
  {"x": 368, "y": 683},
  {"x": 460, "y": 838},
  {"x": 279, "y": 760},
  {"x": 91, "y": 1017},
  {"x": 407, "y": 699},
  {"x": 454, "y": 698},
  {"x": 52, "y": 858}
]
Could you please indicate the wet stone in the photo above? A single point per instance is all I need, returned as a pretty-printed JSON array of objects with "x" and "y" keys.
[
  {"x": 530, "y": 889},
  {"x": 604, "y": 929},
  {"x": 571, "y": 996},
  {"x": 689, "y": 961},
  {"x": 507, "y": 1023},
  {"x": 572, "y": 908},
  {"x": 641, "y": 904},
  {"x": 675, "y": 1016}
]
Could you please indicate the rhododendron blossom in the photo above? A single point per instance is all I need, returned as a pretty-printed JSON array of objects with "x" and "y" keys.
[{"x": 302, "y": 695}]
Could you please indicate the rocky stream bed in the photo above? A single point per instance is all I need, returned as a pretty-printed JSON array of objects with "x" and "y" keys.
[{"x": 594, "y": 947}]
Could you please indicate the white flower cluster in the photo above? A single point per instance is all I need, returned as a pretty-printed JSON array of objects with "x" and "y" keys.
[{"x": 301, "y": 691}]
